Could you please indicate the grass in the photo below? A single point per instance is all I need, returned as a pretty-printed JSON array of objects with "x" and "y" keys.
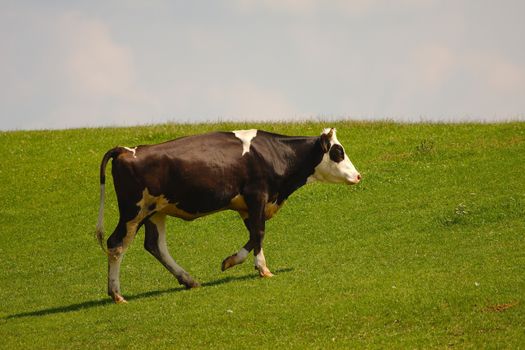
[{"x": 427, "y": 252}]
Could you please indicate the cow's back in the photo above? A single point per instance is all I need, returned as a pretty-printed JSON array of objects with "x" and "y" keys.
[{"x": 201, "y": 173}]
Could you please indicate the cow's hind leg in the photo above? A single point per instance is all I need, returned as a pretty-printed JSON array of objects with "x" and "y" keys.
[
  {"x": 118, "y": 243},
  {"x": 155, "y": 243}
]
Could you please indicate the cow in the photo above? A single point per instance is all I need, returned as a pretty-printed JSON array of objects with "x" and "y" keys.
[{"x": 252, "y": 172}]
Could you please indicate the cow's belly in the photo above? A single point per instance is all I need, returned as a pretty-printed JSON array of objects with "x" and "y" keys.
[
  {"x": 173, "y": 210},
  {"x": 238, "y": 204},
  {"x": 150, "y": 204}
]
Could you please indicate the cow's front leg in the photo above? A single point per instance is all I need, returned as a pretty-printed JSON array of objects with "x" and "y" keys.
[
  {"x": 155, "y": 243},
  {"x": 254, "y": 220},
  {"x": 235, "y": 259},
  {"x": 260, "y": 264},
  {"x": 258, "y": 252},
  {"x": 242, "y": 254},
  {"x": 256, "y": 226}
]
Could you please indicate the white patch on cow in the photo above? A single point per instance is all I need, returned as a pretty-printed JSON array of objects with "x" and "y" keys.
[
  {"x": 311, "y": 179},
  {"x": 241, "y": 255},
  {"x": 160, "y": 222},
  {"x": 114, "y": 260},
  {"x": 235, "y": 259},
  {"x": 260, "y": 264},
  {"x": 332, "y": 172},
  {"x": 260, "y": 260},
  {"x": 132, "y": 150},
  {"x": 246, "y": 136},
  {"x": 333, "y": 139}
]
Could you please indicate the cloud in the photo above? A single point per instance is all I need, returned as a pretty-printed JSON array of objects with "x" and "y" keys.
[
  {"x": 100, "y": 73},
  {"x": 245, "y": 100},
  {"x": 237, "y": 100},
  {"x": 76, "y": 64},
  {"x": 76, "y": 74},
  {"x": 434, "y": 64},
  {"x": 471, "y": 83},
  {"x": 94, "y": 63},
  {"x": 497, "y": 71},
  {"x": 287, "y": 6},
  {"x": 312, "y": 7}
]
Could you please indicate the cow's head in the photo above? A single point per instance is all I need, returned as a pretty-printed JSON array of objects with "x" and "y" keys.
[{"x": 335, "y": 166}]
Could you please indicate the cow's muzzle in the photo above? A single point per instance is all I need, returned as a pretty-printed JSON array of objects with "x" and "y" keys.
[{"x": 354, "y": 180}]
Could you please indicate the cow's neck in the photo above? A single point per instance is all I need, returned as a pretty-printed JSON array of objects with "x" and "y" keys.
[{"x": 307, "y": 154}]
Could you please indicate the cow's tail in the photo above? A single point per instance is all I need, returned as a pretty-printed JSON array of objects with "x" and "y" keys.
[{"x": 112, "y": 153}]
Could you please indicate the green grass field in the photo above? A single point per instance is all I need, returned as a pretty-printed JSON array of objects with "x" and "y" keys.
[{"x": 427, "y": 252}]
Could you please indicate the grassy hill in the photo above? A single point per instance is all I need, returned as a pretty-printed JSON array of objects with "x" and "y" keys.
[{"x": 427, "y": 252}]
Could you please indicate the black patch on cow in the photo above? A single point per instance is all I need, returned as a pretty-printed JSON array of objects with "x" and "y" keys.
[
  {"x": 151, "y": 239},
  {"x": 152, "y": 206},
  {"x": 337, "y": 154},
  {"x": 325, "y": 142}
]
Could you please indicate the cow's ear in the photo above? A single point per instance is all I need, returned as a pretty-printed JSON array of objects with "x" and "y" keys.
[
  {"x": 325, "y": 142},
  {"x": 326, "y": 139}
]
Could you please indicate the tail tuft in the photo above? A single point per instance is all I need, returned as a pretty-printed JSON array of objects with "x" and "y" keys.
[{"x": 99, "y": 234}]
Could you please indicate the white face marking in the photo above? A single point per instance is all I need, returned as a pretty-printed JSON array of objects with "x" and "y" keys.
[
  {"x": 246, "y": 137},
  {"x": 132, "y": 150},
  {"x": 333, "y": 172}
]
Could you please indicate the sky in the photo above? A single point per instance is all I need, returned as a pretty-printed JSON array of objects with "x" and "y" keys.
[{"x": 69, "y": 64}]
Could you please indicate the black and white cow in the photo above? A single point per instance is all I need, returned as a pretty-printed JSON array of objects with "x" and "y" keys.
[{"x": 250, "y": 171}]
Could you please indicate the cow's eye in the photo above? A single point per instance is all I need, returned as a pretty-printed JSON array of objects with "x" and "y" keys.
[{"x": 337, "y": 153}]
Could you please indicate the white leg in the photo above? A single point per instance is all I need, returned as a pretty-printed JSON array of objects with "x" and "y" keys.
[
  {"x": 235, "y": 259},
  {"x": 114, "y": 260},
  {"x": 161, "y": 252},
  {"x": 260, "y": 264}
]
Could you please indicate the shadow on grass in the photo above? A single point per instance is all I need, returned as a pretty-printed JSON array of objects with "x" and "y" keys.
[{"x": 106, "y": 301}]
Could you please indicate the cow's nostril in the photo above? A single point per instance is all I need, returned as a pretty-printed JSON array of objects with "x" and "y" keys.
[{"x": 358, "y": 177}]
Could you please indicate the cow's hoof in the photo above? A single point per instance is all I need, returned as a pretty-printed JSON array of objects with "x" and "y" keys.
[
  {"x": 264, "y": 272},
  {"x": 193, "y": 284},
  {"x": 119, "y": 299},
  {"x": 187, "y": 281},
  {"x": 227, "y": 263}
]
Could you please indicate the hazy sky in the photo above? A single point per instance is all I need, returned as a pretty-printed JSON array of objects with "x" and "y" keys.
[{"x": 92, "y": 63}]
